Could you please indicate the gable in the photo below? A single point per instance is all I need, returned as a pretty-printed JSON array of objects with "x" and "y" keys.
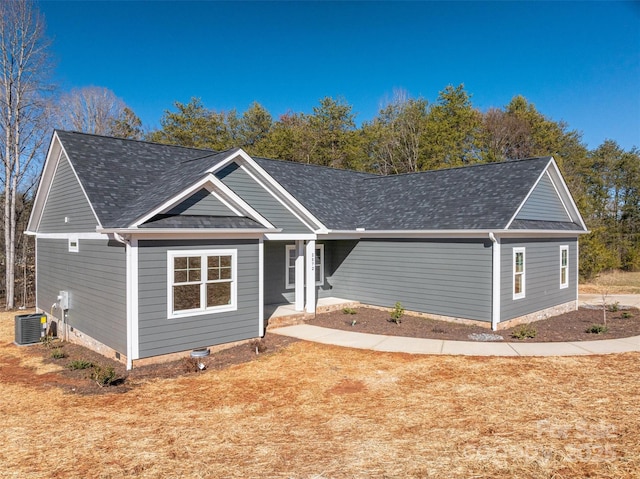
[
  {"x": 66, "y": 209},
  {"x": 544, "y": 204},
  {"x": 257, "y": 196},
  {"x": 202, "y": 203}
]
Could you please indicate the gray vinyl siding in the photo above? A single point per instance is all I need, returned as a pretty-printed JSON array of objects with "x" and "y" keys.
[
  {"x": 260, "y": 199},
  {"x": 448, "y": 277},
  {"x": 201, "y": 203},
  {"x": 159, "y": 335},
  {"x": 95, "y": 278},
  {"x": 543, "y": 204},
  {"x": 542, "y": 276},
  {"x": 66, "y": 199},
  {"x": 275, "y": 265}
]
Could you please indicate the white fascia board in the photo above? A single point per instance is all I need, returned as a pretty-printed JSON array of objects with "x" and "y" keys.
[
  {"x": 86, "y": 236},
  {"x": 567, "y": 193},
  {"x": 445, "y": 233},
  {"x": 46, "y": 180},
  {"x": 211, "y": 183},
  {"x": 157, "y": 234},
  {"x": 528, "y": 195},
  {"x": 282, "y": 195},
  {"x": 290, "y": 236}
]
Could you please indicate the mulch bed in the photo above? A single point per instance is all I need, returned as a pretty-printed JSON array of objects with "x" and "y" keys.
[
  {"x": 570, "y": 326},
  {"x": 566, "y": 327},
  {"x": 79, "y": 381}
]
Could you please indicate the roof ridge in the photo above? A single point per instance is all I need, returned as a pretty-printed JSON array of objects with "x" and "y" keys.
[
  {"x": 314, "y": 165},
  {"x": 110, "y": 137},
  {"x": 463, "y": 167}
]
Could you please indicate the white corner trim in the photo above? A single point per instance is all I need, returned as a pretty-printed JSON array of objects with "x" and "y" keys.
[
  {"x": 496, "y": 282},
  {"x": 133, "y": 335},
  {"x": 260, "y": 287}
]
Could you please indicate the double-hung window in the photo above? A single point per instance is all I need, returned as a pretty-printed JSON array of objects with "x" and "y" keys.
[
  {"x": 291, "y": 265},
  {"x": 564, "y": 266},
  {"x": 519, "y": 278},
  {"x": 201, "y": 281}
]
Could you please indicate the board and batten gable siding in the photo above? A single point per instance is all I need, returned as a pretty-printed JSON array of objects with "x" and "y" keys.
[
  {"x": 543, "y": 204},
  {"x": 66, "y": 200},
  {"x": 260, "y": 199},
  {"x": 275, "y": 279},
  {"x": 542, "y": 276},
  {"x": 443, "y": 277},
  {"x": 159, "y": 335},
  {"x": 201, "y": 203},
  {"x": 95, "y": 278}
]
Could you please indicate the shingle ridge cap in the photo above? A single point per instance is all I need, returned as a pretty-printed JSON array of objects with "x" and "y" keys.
[
  {"x": 147, "y": 142},
  {"x": 277, "y": 160},
  {"x": 464, "y": 167}
]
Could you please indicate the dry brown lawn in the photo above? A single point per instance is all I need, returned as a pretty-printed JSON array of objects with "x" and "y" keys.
[
  {"x": 615, "y": 282},
  {"x": 314, "y": 411}
]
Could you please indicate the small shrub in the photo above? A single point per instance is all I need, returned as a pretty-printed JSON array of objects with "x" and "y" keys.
[
  {"x": 397, "y": 313},
  {"x": 47, "y": 341},
  {"x": 103, "y": 375},
  {"x": 58, "y": 353},
  {"x": 349, "y": 311},
  {"x": 79, "y": 364},
  {"x": 597, "y": 329},
  {"x": 526, "y": 331},
  {"x": 613, "y": 307},
  {"x": 626, "y": 315}
]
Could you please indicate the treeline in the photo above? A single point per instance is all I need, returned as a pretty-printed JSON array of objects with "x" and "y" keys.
[{"x": 413, "y": 134}]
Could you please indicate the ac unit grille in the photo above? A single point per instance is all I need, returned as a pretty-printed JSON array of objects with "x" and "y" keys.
[{"x": 28, "y": 328}]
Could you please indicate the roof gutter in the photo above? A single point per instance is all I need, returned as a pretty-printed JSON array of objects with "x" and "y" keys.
[{"x": 190, "y": 231}]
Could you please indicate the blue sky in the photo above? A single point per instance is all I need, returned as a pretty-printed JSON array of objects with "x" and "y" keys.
[{"x": 576, "y": 61}]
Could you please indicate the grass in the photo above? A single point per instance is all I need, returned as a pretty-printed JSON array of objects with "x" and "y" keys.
[
  {"x": 618, "y": 282},
  {"x": 324, "y": 412}
]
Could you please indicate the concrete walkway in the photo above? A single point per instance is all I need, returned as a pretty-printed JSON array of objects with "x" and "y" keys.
[{"x": 400, "y": 344}]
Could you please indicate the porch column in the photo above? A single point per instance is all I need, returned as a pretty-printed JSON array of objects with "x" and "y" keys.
[
  {"x": 299, "y": 276},
  {"x": 310, "y": 260}
]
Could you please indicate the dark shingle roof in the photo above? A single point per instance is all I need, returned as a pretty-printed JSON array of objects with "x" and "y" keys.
[
  {"x": 544, "y": 225},
  {"x": 197, "y": 221},
  {"x": 483, "y": 196},
  {"x": 126, "y": 179},
  {"x": 328, "y": 193}
]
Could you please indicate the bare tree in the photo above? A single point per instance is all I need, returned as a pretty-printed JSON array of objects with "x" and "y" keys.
[
  {"x": 24, "y": 113},
  {"x": 99, "y": 111}
]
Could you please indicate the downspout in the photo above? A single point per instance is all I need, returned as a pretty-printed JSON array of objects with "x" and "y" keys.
[
  {"x": 495, "y": 285},
  {"x": 121, "y": 239}
]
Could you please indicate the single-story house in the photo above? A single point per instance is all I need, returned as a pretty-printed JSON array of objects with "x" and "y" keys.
[{"x": 145, "y": 249}]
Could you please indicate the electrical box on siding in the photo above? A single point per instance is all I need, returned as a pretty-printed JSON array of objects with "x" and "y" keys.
[{"x": 63, "y": 300}]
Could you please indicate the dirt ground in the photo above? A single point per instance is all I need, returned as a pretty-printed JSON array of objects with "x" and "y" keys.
[
  {"x": 311, "y": 411},
  {"x": 571, "y": 326}
]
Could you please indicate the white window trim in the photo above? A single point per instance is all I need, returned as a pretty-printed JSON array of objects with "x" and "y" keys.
[
  {"x": 203, "y": 309},
  {"x": 521, "y": 294},
  {"x": 566, "y": 267},
  {"x": 74, "y": 248},
  {"x": 290, "y": 278}
]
